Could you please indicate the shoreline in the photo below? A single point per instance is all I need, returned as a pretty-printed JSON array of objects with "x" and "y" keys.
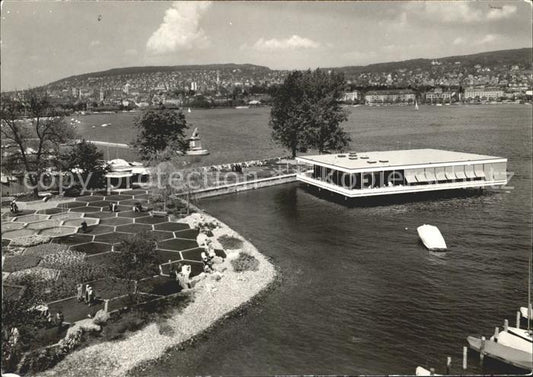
[{"x": 213, "y": 302}]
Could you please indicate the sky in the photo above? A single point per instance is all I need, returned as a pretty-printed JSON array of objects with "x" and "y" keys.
[{"x": 45, "y": 41}]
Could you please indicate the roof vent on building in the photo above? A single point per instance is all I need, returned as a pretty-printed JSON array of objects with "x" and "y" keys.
[
  {"x": 341, "y": 155},
  {"x": 383, "y": 160},
  {"x": 364, "y": 157},
  {"x": 371, "y": 162}
]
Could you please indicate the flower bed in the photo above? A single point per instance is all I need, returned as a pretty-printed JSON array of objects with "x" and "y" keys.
[
  {"x": 28, "y": 241},
  {"x": 33, "y": 274},
  {"x": 45, "y": 249},
  {"x": 63, "y": 260}
]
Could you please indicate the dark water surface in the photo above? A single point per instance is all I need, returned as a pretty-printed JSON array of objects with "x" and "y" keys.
[{"x": 359, "y": 294}]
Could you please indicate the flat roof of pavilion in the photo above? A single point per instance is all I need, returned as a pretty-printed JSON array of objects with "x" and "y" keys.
[{"x": 387, "y": 159}]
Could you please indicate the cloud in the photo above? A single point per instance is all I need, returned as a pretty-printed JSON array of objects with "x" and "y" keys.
[
  {"x": 458, "y": 41},
  {"x": 94, "y": 43},
  {"x": 444, "y": 12},
  {"x": 489, "y": 38},
  {"x": 180, "y": 29},
  {"x": 457, "y": 12},
  {"x": 504, "y": 12},
  {"x": 293, "y": 43}
]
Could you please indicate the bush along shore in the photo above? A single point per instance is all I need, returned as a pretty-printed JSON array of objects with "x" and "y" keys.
[{"x": 214, "y": 296}]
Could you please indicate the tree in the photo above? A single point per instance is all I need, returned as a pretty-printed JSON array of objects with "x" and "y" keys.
[
  {"x": 18, "y": 312},
  {"x": 160, "y": 130},
  {"x": 86, "y": 157},
  {"x": 31, "y": 125},
  {"x": 286, "y": 115},
  {"x": 306, "y": 112},
  {"x": 137, "y": 259},
  {"x": 325, "y": 114}
]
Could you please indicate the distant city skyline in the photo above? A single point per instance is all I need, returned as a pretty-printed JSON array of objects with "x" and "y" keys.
[{"x": 46, "y": 41}]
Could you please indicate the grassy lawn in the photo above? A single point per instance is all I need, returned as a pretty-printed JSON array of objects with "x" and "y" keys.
[
  {"x": 74, "y": 310},
  {"x": 159, "y": 285}
]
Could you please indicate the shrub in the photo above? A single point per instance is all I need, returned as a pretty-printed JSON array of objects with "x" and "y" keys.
[
  {"x": 165, "y": 329},
  {"x": 20, "y": 262},
  {"x": 101, "y": 317},
  {"x": 245, "y": 262},
  {"x": 230, "y": 242},
  {"x": 73, "y": 191}
]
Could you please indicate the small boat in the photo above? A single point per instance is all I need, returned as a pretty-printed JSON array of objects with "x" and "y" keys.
[
  {"x": 502, "y": 352},
  {"x": 523, "y": 311},
  {"x": 431, "y": 237},
  {"x": 105, "y": 125},
  {"x": 515, "y": 338},
  {"x": 421, "y": 371},
  {"x": 242, "y": 107}
]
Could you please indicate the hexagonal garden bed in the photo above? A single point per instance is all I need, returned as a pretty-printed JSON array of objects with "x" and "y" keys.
[
  {"x": 134, "y": 228},
  {"x": 73, "y": 239},
  {"x": 172, "y": 226},
  {"x": 92, "y": 247},
  {"x": 177, "y": 244},
  {"x": 114, "y": 221},
  {"x": 58, "y": 231}
]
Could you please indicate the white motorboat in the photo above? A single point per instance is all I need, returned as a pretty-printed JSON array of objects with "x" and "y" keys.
[
  {"x": 523, "y": 311},
  {"x": 431, "y": 237},
  {"x": 499, "y": 351},
  {"x": 516, "y": 338},
  {"x": 421, "y": 371}
]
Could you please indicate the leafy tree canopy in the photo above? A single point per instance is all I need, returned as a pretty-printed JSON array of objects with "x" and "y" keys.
[
  {"x": 137, "y": 258},
  {"x": 32, "y": 130},
  {"x": 86, "y": 157},
  {"x": 159, "y": 130},
  {"x": 306, "y": 112}
]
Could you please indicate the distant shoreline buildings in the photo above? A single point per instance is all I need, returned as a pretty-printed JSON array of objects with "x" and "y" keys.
[{"x": 502, "y": 76}]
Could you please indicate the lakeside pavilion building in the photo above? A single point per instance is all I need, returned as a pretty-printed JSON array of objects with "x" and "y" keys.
[{"x": 361, "y": 174}]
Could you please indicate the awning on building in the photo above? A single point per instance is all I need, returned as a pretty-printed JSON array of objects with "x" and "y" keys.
[
  {"x": 469, "y": 171},
  {"x": 450, "y": 175},
  {"x": 478, "y": 170},
  {"x": 459, "y": 172},
  {"x": 421, "y": 176},
  {"x": 440, "y": 174},
  {"x": 410, "y": 177},
  {"x": 430, "y": 175}
]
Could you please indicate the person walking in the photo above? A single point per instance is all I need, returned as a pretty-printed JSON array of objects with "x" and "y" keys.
[
  {"x": 86, "y": 296},
  {"x": 13, "y": 206},
  {"x": 79, "y": 292},
  {"x": 90, "y": 296}
]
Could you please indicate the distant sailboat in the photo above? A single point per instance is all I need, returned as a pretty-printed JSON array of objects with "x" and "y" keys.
[
  {"x": 188, "y": 109},
  {"x": 416, "y": 105}
]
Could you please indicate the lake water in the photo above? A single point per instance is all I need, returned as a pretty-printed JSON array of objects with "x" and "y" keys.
[{"x": 359, "y": 294}]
